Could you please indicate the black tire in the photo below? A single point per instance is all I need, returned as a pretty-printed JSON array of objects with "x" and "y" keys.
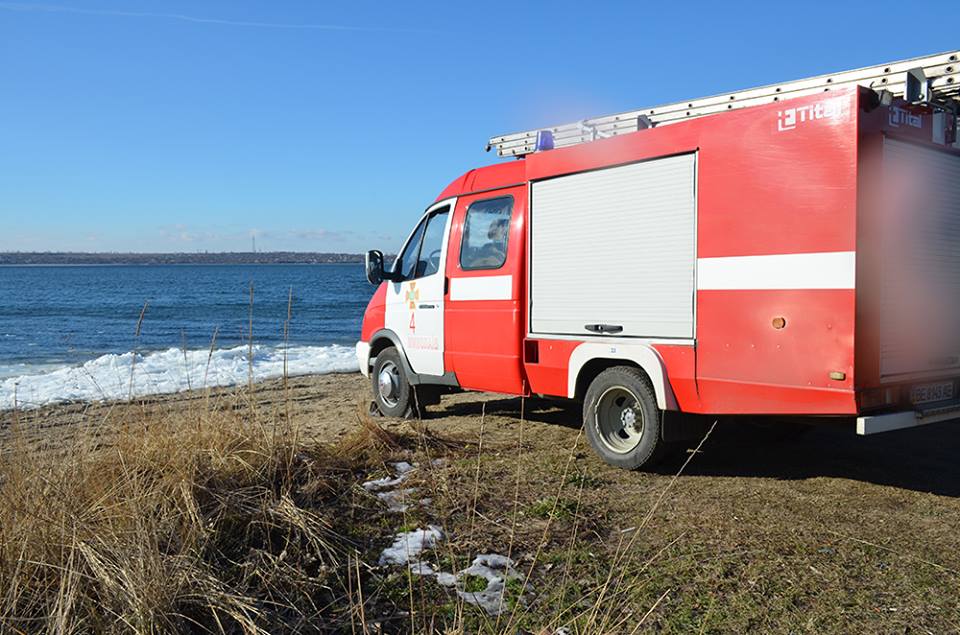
[
  {"x": 610, "y": 409},
  {"x": 397, "y": 400}
]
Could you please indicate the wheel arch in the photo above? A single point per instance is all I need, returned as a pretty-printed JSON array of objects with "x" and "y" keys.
[
  {"x": 589, "y": 359},
  {"x": 383, "y": 339}
]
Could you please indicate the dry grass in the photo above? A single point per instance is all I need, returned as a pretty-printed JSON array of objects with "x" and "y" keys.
[
  {"x": 217, "y": 515},
  {"x": 227, "y": 520},
  {"x": 185, "y": 521}
]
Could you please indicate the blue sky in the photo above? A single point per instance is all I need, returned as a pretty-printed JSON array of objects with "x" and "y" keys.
[{"x": 135, "y": 125}]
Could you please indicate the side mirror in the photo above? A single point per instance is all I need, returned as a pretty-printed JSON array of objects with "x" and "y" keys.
[{"x": 374, "y": 266}]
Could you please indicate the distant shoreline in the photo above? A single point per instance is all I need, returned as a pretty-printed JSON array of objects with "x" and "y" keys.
[
  {"x": 219, "y": 258},
  {"x": 165, "y": 264}
]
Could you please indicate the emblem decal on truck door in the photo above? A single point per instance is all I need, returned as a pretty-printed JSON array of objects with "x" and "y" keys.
[
  {"x": 790, "y": 118},
  {"x": 413, "y": 294}
]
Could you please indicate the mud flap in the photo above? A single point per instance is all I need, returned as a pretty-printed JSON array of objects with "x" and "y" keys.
[{"x": 682, "y": 426}]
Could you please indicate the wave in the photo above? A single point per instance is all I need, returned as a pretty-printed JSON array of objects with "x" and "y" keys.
[{"x": 108, "y": 377}]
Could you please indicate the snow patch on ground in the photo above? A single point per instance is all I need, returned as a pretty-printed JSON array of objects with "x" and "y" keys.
[
  {"x": 386, "y": 482},
  {"x": 403, "y": 470},
  {"x": 402, "y": 467},
  {"x": 497, "y": 570},
  {"x": 108, "y": 377},
  {"x": 398, "y": 500},
  {"x": 408, "y": 545}
]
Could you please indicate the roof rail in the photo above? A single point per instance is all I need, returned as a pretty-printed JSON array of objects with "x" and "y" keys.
[{"x": 942, "y": 72}]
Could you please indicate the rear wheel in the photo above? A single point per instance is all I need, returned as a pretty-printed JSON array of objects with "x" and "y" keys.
[
  {"x": 392, "y": 392},
  {"x": 621, "y": 418}
]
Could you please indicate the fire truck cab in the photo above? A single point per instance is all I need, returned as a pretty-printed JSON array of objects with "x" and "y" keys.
[{"x": 790, "y": 250}]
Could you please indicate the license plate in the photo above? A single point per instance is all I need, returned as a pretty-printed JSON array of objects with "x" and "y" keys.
[{"x": 925, "y": 393}]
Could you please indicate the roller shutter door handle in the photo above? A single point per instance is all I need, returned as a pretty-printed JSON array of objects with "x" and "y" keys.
[{"x": 603, "y": 328}]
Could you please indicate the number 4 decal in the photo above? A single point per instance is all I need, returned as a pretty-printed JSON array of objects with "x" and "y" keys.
[{"x": 413, "y": 323}]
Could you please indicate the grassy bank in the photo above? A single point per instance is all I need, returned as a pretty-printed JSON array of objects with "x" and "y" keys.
[
  {"x": 238, "y": 514},
  {"x": 179, "y": 521},
  {"x": 225, "y": 518}
]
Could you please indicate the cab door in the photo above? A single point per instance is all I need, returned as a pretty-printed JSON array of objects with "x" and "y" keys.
[
  {"x": 414, "y": 305},
  {"x": 484, "y": 310}
]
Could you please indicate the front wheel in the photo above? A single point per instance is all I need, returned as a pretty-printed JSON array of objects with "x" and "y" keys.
[
  {"x": 621, "y": 418},
  {"x": 392, "y": 392}
]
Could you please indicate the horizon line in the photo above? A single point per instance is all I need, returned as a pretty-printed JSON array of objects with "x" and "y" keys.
[{"x": 175, "y": 253}]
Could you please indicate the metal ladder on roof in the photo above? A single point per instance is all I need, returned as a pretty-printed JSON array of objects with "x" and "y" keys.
[{"x": 939, "y": 73}]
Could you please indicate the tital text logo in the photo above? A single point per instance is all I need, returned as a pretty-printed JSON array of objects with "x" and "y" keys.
[
  {"x": 900, "y": 117},
  {"x": 791, "y": 118}
]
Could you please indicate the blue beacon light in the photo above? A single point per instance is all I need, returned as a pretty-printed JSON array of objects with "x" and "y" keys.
[{"x": 544, "y": 140}]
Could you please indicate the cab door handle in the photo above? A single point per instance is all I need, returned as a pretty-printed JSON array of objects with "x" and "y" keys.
[{"x": 428, "y": 306}]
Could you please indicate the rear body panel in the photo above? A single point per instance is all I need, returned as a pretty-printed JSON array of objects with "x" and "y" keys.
[{"x": 908, "y": 267}]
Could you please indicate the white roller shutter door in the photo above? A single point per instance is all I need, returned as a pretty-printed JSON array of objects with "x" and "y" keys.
[
  {"x": 616, "y": 246},
  {"x": 920, "y": 328}
]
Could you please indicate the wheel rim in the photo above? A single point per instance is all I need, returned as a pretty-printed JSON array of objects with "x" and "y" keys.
[
  {"x": 388, "y": 384},
  {"x": 619, "y": 420}
]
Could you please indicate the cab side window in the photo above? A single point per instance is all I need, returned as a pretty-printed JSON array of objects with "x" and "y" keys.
[
  {"x": 421, "y": 256},
  {"x": 485, "y": 234}
]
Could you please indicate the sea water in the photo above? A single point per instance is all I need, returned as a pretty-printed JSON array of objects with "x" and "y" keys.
[{"x": 72, "y": 333}]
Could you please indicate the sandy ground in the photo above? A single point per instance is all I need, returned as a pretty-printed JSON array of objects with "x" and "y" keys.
[
  {"x": 828, "y": 527},
  {"x": 325, "y": 406},
  {"x": 923, "y": 460}
]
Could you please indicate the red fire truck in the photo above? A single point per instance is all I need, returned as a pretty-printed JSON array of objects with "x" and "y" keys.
[{"x": 790, "y": 250}]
